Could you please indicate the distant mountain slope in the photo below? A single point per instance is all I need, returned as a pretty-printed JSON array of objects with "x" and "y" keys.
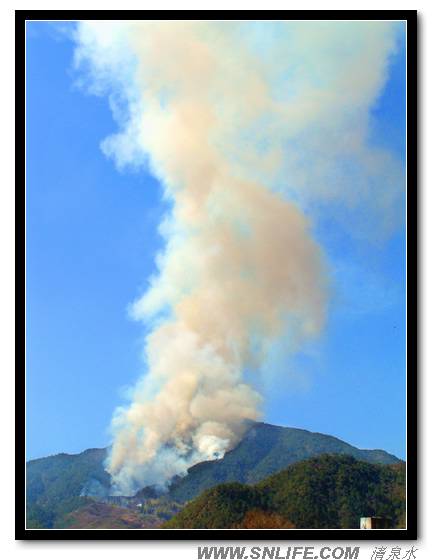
[
  {"x": 264, "y": 450},
  {"x": 58, "y": 484},
  {"x": 329, "y": 491},
  {"x": 65, "y": 475}
]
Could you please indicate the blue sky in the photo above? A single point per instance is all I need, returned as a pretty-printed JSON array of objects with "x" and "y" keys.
[{"x": 91, "y": 240}]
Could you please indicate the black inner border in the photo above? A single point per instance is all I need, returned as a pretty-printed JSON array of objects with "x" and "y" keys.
[{"x": 411, "y": 532}]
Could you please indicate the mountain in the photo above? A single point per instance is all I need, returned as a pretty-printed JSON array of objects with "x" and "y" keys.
[
  {"x": 58, "y": 484},
  {"x": 63, "y": 483},
  {"x": 64, "y": 475},
  {"x": 329, "y": 491},
  {"x": 72, "y": 491},
  {"x": 266, "y": 449}
]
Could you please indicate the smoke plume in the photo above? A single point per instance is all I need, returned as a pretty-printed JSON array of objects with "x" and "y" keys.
[{"x": 246, "y": 125}]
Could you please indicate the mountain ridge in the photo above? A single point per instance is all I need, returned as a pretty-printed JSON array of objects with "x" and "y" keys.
[
  {"x": 265, "y": 449},
  {"x": 61, "y": 483}
]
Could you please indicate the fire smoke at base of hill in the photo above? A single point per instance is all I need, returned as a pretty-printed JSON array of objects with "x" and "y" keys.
[{"x": 245, "y": 124}]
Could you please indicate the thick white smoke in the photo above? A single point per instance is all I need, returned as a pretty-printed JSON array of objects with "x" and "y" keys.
[{"x": 244, "y": 124}]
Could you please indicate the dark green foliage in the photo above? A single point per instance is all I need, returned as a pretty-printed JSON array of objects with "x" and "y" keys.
[
  {"x": 218, "y": 508},
  {"x": 335, "y": 491},
  {"x": 264, "y": 450},
  {"x": 330, "y": 491}
]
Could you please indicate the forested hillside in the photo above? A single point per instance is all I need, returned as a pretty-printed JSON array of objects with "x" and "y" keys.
[{"x": 330, "y": 491}]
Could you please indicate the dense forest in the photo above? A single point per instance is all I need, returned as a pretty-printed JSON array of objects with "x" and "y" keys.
[{"x": 330, "y": 491}]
